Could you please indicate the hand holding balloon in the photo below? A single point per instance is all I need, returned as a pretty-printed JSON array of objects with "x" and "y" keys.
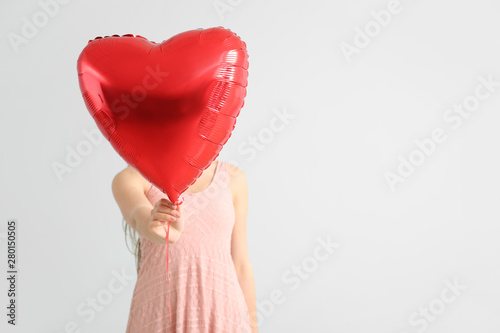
[{"x": 164, "y": 211}]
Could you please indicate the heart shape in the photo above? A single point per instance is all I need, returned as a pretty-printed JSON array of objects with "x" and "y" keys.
[{"x": 166, "y": 108}]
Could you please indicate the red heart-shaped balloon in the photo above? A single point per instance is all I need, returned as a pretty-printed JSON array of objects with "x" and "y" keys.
[{"x": 166, "y": 108}]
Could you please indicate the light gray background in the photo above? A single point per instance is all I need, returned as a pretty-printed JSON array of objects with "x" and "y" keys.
[{"x": 321, "y": 177}]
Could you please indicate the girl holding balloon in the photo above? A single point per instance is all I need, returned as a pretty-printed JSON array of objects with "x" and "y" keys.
[
  {"x": 211, "y": 280},
  {"x": 178, "y": 101}
]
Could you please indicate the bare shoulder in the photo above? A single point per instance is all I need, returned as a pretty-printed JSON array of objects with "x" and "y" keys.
[
  {"x": 238, "y": 180},
  {"x": 130, "y": 177},
  {"x": 235, "y": 173}
]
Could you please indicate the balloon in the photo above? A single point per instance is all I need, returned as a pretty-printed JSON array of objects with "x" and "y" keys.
[{"x": 166, "y": 108}]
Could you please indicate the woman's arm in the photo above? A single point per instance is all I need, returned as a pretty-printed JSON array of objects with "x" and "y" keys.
[
  {"x": 239, "y": 250},
  {"x": 129, "y": 191}
]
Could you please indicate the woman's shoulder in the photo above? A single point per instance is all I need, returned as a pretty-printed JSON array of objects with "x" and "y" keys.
[
  {"x": 237, "y": 179},
  {"x": 234, "y": 171},
  {"x": 131, "y": 175}
]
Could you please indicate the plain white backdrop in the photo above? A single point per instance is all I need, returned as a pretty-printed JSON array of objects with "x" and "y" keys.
[{"x": 360, "y": 83}]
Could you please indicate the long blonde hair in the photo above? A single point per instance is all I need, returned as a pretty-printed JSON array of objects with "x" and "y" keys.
[{"x": 131, "y": 234}]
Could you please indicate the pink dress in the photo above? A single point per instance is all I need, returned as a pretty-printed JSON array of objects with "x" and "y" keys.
[{"x": 205, "y": 295}]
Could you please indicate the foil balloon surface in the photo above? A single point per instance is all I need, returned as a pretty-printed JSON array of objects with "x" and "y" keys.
[{"x": 166, "y": 108}]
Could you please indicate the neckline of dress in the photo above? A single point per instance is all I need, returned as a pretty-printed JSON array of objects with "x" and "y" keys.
[{"x": 217, "y": 167}]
